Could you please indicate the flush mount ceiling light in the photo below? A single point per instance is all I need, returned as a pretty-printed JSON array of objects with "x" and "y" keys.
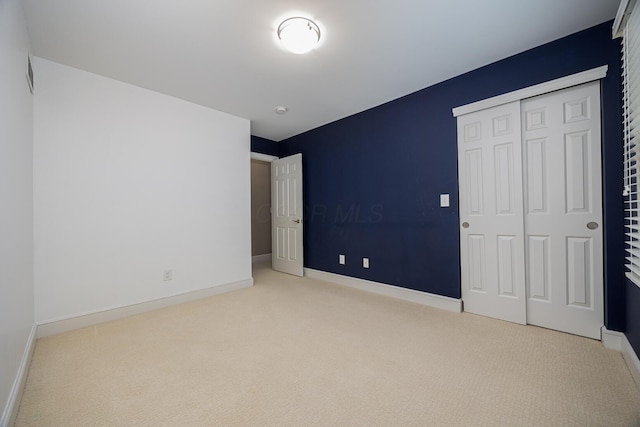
[{"x": 299, "y": 35}]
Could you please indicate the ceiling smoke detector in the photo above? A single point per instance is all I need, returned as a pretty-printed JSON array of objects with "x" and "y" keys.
[
  {"x": 281, "y": 110},
  {"x": 299, "y": 35}
]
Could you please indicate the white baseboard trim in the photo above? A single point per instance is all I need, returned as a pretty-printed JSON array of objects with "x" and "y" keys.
[
  {"x": 11, "y": 409},
  {"x": 424, "y": 298},
  {"x": 612, "y": 339},
  {"x": 618, "y": 341},
  {"x": 58, "y": 326},
  {"x": 260, "y": 258}
]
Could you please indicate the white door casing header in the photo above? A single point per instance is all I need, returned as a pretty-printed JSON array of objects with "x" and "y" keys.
[{"x": 531, "y": 91}]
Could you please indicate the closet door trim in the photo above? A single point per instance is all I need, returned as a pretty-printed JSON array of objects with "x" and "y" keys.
[{"x": 531, "y": 91}]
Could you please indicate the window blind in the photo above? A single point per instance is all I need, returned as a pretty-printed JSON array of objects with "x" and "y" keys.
[{"x": 631, "y": 133}]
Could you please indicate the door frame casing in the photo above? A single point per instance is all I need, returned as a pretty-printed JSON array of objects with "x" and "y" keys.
[
  {"x": 263, "y": 157},
  {"x": 531, "y": 91}
]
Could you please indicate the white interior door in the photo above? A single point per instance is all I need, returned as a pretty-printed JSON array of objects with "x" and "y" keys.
[
  {"x": 287, "y": 224},
  {"x": 491, "y": 213},
  {"x": 561, "y": 136}
]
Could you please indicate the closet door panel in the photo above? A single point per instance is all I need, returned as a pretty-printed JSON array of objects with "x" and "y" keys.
[
  {"x": 571, "y": 213},
  {"x": 491, "y": 213}
]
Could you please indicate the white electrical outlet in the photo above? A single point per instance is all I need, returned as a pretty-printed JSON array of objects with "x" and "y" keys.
[
  {"x": 365, "y": 262},
  {"x": 342, "y": 260},
  {"x": 167, "y": 275},
  {"x": 444, "y": 201}
]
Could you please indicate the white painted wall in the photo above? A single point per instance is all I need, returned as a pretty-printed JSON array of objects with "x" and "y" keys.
[
  {"x": 129, "y": 183},
  {"x": 16, "y": 195}
]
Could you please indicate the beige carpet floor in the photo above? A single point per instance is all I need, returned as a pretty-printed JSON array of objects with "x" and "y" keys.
[{"x": 301, "y": 352}]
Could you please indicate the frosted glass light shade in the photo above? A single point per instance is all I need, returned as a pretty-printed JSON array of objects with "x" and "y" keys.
[{"x": 298, "y": 35}]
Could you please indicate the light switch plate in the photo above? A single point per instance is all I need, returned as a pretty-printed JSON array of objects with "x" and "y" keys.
[{"x": 444, "y": 200}]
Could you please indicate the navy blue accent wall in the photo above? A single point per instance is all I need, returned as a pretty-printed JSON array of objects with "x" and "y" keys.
[
  {"x": 633, "y": 316},
  {"x": 264, "y": 146},
  {"x": 372, "y": 180}
]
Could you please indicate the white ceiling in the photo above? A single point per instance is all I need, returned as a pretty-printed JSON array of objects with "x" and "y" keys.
[{"x": 223, "y": 53}]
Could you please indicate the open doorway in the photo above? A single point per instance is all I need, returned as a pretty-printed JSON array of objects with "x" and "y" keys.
[{"x": 260, "y": 210}]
